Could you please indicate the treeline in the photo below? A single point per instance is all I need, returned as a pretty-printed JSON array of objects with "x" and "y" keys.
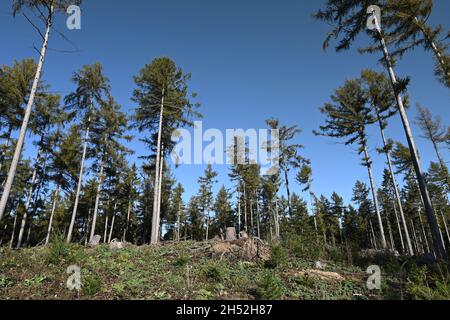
[{"x": 80, "y": 183}]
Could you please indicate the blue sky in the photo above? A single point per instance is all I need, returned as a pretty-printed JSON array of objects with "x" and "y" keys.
[{"x": 250, "y": 60}]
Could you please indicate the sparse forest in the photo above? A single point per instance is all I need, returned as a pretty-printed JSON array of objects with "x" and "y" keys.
[{"x": 76, "y": 197}]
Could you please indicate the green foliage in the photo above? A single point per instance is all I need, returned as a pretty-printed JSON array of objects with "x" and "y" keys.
[
  {"x": 216, "y": 271},
  {"x": 423, "y": 284},
  {"x": 60, "y": 252},
  {"x": 35, "y": 281},
  {"x": 277, "y": 258},
  {"x": 270, "y": 287},
  {"x": 92, "y": 284},
  {"x": 5, "y": 282},
  {"x": 182, "y": 260}
]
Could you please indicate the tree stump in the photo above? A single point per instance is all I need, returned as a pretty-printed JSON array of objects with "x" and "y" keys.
[{"x": 230, "y": 234}]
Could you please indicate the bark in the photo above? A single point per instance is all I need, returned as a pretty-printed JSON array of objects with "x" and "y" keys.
[
  {"x": 375, "y": 197},
  {"x": 423, "y": 232},
  {"x": 446, "y": 227},
  {"x": 80, "y": 182},
  {"x": 106, "y": 229},
  {"x": 257, "y": 216},
  {"x": 400, "y": 231},
  {"x": 288, "y": 192},
  {"x": 13, "y": 230},
  {"x": 155, "y": 216},
  {"x": 26, "y": 118},
  {"x": 373, "y": 236},
  {"x": 127, "y": 223},
  {"x": 112, "y": 223},
  {"x": 27, "y": 204},
  {"x": 178, "y": 221},
  {"x": 391, "y": 236},
  {"x": 440, "y": 251},
  {"x": 160, "y": 191},
  {"x": 395, "y": 186},
  {"x": 277, "y": 220},
  {"x": 97, "y": 201},
  {"x": 50, "y": 223}
]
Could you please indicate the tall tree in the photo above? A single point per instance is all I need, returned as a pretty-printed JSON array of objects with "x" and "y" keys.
[
  {"x": 205, "y": 197},
  {"x": 381, "y": 99},
  {"x": 45, "y": 11},
  {"x": 92, "y": 91},
  {"x": 434, "y": 131},
  {"x": 164, "y": 105},
  {"x": 347, "y": 117}
]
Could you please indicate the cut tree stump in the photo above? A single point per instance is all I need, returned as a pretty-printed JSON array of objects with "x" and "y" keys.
[{"x": 230, "y": 234}]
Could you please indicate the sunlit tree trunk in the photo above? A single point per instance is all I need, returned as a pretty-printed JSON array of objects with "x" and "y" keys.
[
  {"x": 97, "y": 201},
  {"x": 111, "y": 230},
  {"x": 50, "y": 223},
  {"x": 26, "y": 118},
  {"x": 400, "y": 233},
  {"x": 446, "y": 227},
  {"x": 257, "y": 216},
  {"x": 395, "y": 186},
  {"x": 14, "y": 229},
  {"x": 80, "y": 182},
  {"x": 155, "y": 216},
  {"x": 440, "y": 251},
  {"x": 375, "y": 197},
  {"x": 106, "y": 228},
  {"x": 124, "y": 239}
]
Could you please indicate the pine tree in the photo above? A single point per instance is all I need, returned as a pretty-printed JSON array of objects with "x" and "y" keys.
[
  {"x": 347, "y": 118},
  {"x": 91, "y": 92},
  {"x": 205, "y": 196},
  {"x": 164, "y": 105}
]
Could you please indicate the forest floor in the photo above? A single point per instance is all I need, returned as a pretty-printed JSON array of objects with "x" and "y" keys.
[{"x": 181, "y": 271}]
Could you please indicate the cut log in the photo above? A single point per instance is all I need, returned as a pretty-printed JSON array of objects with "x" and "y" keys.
[{"x": 230, "y": 234}]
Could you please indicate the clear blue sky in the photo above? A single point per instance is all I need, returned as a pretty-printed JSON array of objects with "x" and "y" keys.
[{"x": 250, "y": 60}]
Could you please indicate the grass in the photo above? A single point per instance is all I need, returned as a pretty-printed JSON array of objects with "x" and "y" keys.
[{"x": 176, "y": 271}]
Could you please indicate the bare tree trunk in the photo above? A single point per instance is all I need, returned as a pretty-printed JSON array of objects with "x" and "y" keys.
[
  {"x": 245, "y": 210},
  {"x": 252, "y": 228},
  {"x": 97, "y": 201},
  {"x": 257, "y": 216},
  {"x": 127, "y": 223},
  {"x": 375, "y": 197},
  {"x": 395, "y": 186},
  {"x": 239, "y": 212},
  {"x": 288, "y": 192},
  {"x": 418, "y": 248},
  {"x": 161, "y": 180},
  {"x": 391, "y": 236},
  {"x": 277, "y": 220},
  {"x": 50, "y": 223},
  {"x": 423, "y": 231},
  {"x": 26, "y": 118},
  {"x": 440, "y": 251},
  {"x": 112, "y": 223},
  {"x": 80, "y": 182},
  {"x": 13, "y": 230},
  {"x": 400, "y": 230},
  {"x": 178, "y": 221},
  {"x": 373, "y": 235},
  {"x": 155, "y": 217},
  {"x": 27, "y": 204},
  {"x": 446, "y": 227},
  {"x": 106, "y": 228}
]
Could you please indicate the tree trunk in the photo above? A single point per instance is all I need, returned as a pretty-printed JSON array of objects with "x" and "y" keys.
[
  {"x": 418, "y": 249},
  {"x": 155, "y": 217},
  {"x": 395, "y": 186},
  {"x": 27, "y": 205},
  {"x": 178, "y": 221},
  {"x": 375, "y": 197},
  {"x": 277, "y": 220},
  {"x": 127, "y": 223},
  {"x": 400, "y": 233},
  {"x": 391, "y": 236},
  {"x": 97, "y": 201},
  {"x": 245, "y": 210},
  {"x": 423, "y": 231},
  {"x": 440, "y": 251},
  {"x": 446, "y": 227},
  {"x": 50, "y": 223},
  {"x": 26, "y": 118},
  {"x": 80, "y": 182},
  {"x": 373, "y": 235},
  {"x": 13, "y": 230},
  {"x": 257, "y": 216},
  {"x": 106, "y": 228},
  {"x": 112, "y": 223},
  {"x": 161, "y": 180},
  {"x": 288, "y": 192},
  {"x": 433, "y": 46},
  {"x": 239, "y": 211}
]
